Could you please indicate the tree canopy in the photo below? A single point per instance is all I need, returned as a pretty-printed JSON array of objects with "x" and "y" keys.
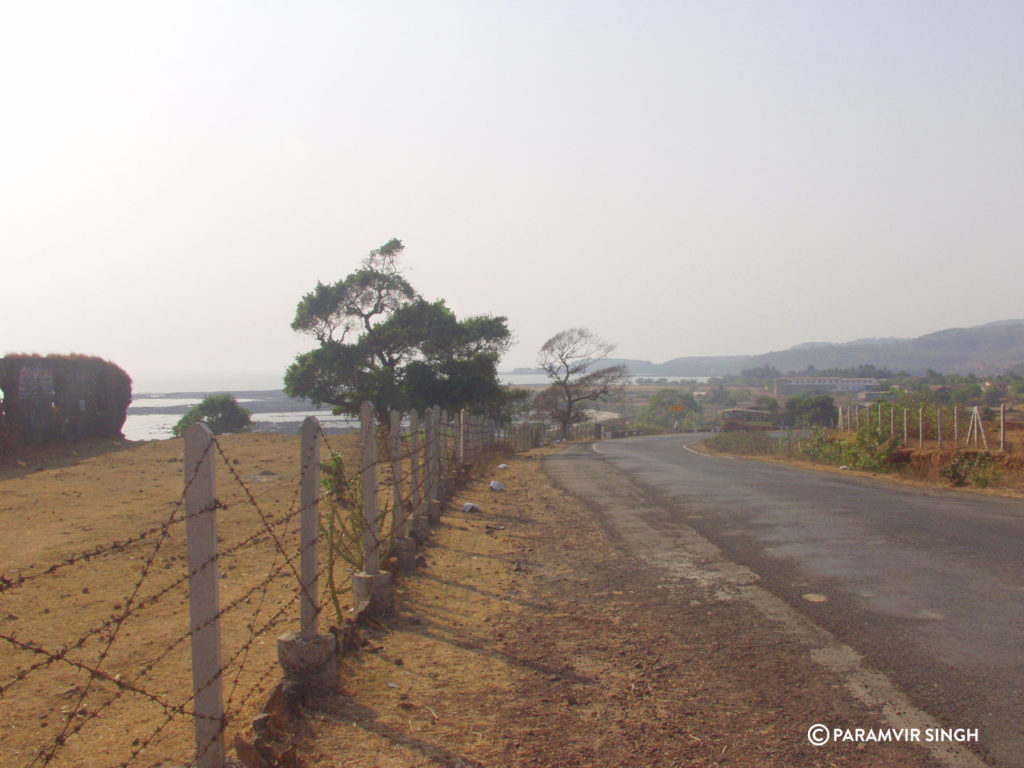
[
  {"x": 810, "y": 411},
  {"x": 379, "y": 340},
  {"x": 221, "y": 413}
]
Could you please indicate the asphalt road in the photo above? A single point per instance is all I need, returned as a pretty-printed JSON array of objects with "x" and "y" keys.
[{"x": 926, "y": 584}]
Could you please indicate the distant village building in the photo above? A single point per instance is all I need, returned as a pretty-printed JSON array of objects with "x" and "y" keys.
[{"x": 821, "y": 385}]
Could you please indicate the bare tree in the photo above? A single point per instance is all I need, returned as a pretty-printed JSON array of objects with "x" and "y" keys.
[{"x": 571, "y": 359}]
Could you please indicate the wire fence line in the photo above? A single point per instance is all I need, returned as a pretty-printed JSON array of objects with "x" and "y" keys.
[
  {"x": 952, "y": 427},
  {"x": 88, "y": 670}
]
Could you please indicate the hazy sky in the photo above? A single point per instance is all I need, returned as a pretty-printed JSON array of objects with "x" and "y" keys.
[{"x": 683, "y": 178}]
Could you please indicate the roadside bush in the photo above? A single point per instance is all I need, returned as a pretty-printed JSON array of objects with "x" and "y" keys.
[
  {"x": 221, "y": 413},
  {"x": 981, "y": 469},
  {"x": 755, "y": 443}
]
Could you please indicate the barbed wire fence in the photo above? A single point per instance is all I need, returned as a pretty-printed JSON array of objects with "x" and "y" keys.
[{"x": 160, "y": 670}]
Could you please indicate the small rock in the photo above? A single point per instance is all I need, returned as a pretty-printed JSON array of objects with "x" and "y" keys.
[
  {"x": 497, "y": 485},
  {"x": 503, "y": 466},
  {"x": 470, "y": 507}
]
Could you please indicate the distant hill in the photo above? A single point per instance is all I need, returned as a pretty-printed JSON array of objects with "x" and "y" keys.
[{"x": 984, "y": 349}]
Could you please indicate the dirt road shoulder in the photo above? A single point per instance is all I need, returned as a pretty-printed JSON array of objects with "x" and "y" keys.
[{"x": 534, "y": 637}]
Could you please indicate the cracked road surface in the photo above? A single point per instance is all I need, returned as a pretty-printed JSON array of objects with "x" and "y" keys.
[{"x": 915, "y": 596}]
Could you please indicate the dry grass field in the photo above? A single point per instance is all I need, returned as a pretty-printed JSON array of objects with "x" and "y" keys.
[{"x": 95, "y": 664}]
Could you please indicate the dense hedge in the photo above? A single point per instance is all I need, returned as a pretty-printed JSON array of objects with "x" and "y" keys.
[{"x": 60, "y": 398}]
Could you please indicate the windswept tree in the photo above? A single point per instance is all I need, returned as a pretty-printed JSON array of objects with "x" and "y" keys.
[
  {"x": 572, "y": 360},
  {"x": 221, "y": 413},
  {"x": 379, "y": 340}
]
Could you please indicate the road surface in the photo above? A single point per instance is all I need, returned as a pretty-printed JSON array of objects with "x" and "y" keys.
[{"x": 926, "y": 585}]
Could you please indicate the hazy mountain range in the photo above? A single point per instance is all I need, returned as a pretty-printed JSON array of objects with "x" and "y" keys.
[{"x": 985, "y": 349}]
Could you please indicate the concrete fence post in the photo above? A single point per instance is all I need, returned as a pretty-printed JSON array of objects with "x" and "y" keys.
[
  {"x": 920, "y": 428},
  {"x": 462, "y": 437},
  {"x": 414, "y": 461},
  {"x": 372, "y": 590},
  {"x": 445, "y": 456},
  {"x": 395, "y": 435},
  {"x": 956, "y": 426},
  {"x": 1002, "y": 427},
  {"x": 309, "y": 526},
  {"x": 938, "y": 426},
  {"x": 418, "y": 465},
  {"x": 371, "y": 540},
  {"x": 204, "y": 596},
  {"x": 405, "y": 548},
  {"x": 308, "y": 659},
  {"x": 434, "y": 460}
]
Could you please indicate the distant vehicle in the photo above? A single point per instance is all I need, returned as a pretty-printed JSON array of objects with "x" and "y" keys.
[{"x": 746, "y": 420}]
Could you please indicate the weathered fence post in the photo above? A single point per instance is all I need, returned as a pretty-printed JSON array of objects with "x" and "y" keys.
[
  {"x": 309, "y": 526},
  {"x": 956, "y": 426},
  {"x": 371, "y": 588},
  {"x": 419, "y": 530},
  {"x": 204, "y": 596},
  {"x": 938, "y": 425},
  {"x": 447, "y": 481},
  {"x": 906, "y": 432},
  {"x": 462, "y": 437},
  {"x": 434, "y": 459},
  {"x": 920, "y": 428},
  {"x": 405, "y": 548},
  {"x": 308, "y": 659},
  {"x": 1002, "y": 427}
]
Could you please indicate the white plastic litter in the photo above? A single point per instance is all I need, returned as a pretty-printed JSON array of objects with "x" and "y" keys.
[
  {"x": 497, "y": 485},
  {"x": 469, "y": 507},
  {"x": 503, "y": 466}
]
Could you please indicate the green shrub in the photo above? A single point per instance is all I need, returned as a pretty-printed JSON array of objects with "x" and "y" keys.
[
  {"x": 981, "y": 469},
  {"x": 221, "y": 413}
]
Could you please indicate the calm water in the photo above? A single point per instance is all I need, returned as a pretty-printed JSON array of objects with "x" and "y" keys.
[{"x": 152, "y": 417}]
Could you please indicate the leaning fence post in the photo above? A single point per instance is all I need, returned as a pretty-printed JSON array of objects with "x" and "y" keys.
[
  {"x": 204, "y": 596},
  {"x": 371, "y": 589}
]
